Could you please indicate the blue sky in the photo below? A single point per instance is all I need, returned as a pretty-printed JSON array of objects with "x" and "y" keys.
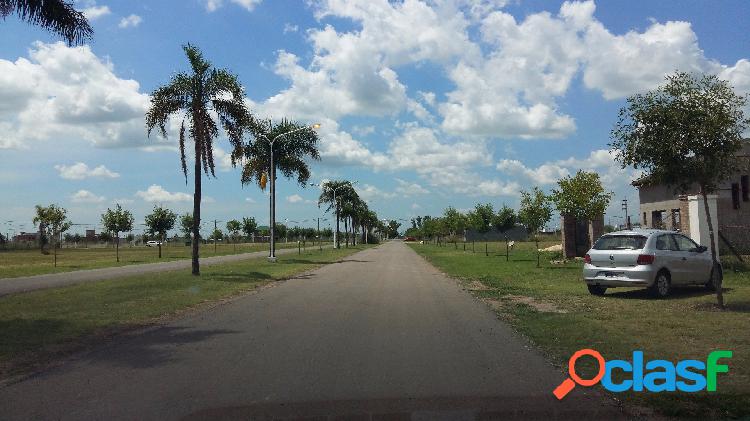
[{"x": 425, "y": 103}]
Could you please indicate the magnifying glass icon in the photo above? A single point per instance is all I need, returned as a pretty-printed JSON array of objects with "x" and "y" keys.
[{"x": 568, "y": 384}]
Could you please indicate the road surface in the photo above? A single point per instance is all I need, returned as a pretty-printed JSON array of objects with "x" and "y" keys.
[
  {"x": 381, "y": 334},
  {"x": 54, "y": 280}
]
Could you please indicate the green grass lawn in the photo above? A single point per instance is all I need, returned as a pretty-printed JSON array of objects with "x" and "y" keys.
[
  {"x": 15, "y": 263},
  {"x": 38, "y": 326},
  {"x": 552, "y": 307}
]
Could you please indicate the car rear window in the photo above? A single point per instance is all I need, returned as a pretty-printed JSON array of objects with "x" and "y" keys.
[{"x": 620, "y": 242}]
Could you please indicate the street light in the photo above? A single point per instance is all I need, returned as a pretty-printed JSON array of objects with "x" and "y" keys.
[
  {"x": 335, "y": 204},
  {"x": 272, "y": 175}
]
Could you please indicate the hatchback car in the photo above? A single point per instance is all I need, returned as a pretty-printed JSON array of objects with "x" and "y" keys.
[
  {"x": 153, "y": 243},
  {"x": 656, "y": 259}
]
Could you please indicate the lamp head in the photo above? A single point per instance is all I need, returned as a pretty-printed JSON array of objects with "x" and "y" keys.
[{"x": 315, "y": 126}]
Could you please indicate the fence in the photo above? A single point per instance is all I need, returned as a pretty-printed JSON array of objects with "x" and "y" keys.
[{"x": 734, "y": 246}]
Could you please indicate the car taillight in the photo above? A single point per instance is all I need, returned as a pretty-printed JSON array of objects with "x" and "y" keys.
[
  {"x": 587, "y": 259},
  {"x": 645, "y": 259}
]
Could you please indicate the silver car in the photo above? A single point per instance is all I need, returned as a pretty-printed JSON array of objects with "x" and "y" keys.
[{"x": 655, "y": 259}]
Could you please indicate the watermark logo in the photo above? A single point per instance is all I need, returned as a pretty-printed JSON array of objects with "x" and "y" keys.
[{"x": 652, "y": 376}]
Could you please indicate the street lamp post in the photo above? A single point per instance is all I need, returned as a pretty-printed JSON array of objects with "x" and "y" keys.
[{"x": 272, "y": 175}]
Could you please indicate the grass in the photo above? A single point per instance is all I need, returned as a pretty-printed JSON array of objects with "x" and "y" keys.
[
  {"x": 15, "y": 263},
  {"x": 552, "y": 307},
  {"x": 40, "y": 326}
]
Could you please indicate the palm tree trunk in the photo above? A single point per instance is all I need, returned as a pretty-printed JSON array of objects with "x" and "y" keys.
[
  {"x": 346, "y": 230},
  {"x": 338, "y": 231},
  {"x": 715, "y": 265},
  {"x": 197, "y": 208}
]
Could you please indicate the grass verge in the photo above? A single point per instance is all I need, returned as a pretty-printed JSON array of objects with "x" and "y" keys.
[
  {"x": 552, "y": 307},
  {"x": 40, "y": 326},
  {"x": 15, "y": 263}
]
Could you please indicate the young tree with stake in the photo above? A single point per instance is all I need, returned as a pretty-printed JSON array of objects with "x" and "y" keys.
[
  {"x": 117, "y": 221},
  {"x": 534, "y": 213},
  {"x": 159, "y": 222}
]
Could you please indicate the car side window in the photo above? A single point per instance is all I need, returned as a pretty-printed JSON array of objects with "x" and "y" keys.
[
  {"x": 684, "y": 243},
  {"x": 662, "y": 242}
]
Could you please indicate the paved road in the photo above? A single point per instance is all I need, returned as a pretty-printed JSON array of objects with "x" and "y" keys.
[
  {"x": 54, "y": 280},
  {"x": 381, "y": 333}
]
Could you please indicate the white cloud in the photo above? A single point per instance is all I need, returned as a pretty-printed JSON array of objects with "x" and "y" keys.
[
  {"x": 156, "y": 193},
  {"x": 80, "y": 170},
  {"x": 406, "y": 188},
  {"x": 288, "y": 28},
  {"x": 249, "y": 5},
  {"x": 295, "y": 198},
  {"x": 250, "y": 200},
  {"x": 95, "y": 12},
  {"x": 370, "y": 192},
  {"x": 85, "y": 196},
  {"x": 131, "y": 21},
  {"x": 78, "y": 94}
]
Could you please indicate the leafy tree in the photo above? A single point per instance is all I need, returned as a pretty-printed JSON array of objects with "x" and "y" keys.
[
  {"x": 505, "y": 219},
  {"x": 57, "y": 16},
  {"x": 581, "y": 196},
  {"x": 216, "y": 235},
  {"x": 186, "y": 225},
  {"x": 326, "y": 233},
  {"x": 481, "y": 217},
  {"x": 52, "y": 222},
  {"x": 392, "y": 228},
  {"x": 159, "y": 222},
  {"x": 117, "y": 221},
  {"x": 234, "y": 227},
  {"x": 76, "y": 238},
  {"x": 535, "y": 211},
  {"x": 686, "y": 132},
  {"x": 249, "y": 227},
  {"x": 105, "y": 237},
  {"x": 196, "y": 96},
  {"x": 129, "y": 238},
  {"x": 455, "y": 222}
]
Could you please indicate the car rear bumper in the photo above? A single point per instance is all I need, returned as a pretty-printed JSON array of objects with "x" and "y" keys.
[{"x": 633, "y": 276}]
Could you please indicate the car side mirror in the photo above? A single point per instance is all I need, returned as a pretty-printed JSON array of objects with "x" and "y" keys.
[{"x": 699, "y": 249}]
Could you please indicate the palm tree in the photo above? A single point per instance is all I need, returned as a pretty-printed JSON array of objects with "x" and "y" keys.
[
  {"x": 195, "y": 97},
  {"x": 337, "y": 194},
  {"x": 284, "y": 146},
  {"x": 54, "y": 15}
]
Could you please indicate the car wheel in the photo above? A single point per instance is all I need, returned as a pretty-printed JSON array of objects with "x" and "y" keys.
[
  {"x": 662, "y": 285},
  {"x": 716, "y": 277},
  {"x": 597, "y": 290}
]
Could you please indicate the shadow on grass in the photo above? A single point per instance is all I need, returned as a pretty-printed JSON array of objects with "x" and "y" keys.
[
  {"x": 677, "y": 293},
  {"x": 729, "y": 306}
]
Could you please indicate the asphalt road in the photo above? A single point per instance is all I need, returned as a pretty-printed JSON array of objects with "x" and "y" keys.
[
  {"x": 54, "y": 280},
  {"x": 381, "y": 335}
]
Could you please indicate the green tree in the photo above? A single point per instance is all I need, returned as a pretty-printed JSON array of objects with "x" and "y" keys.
[
  {"x": 186, "y": 225},
  {"x": 57, "y": 16},
  {"x": 337, "y": 193},
  {"x": 159, "y": 222},
  {"x": 505, "y": 219},
  {"x": 249, "y": 227},
  {"x": 535, "y": 211},
  {"x": 481, "y": 217},
  {"x": 392, "y": 228},
  {"x": 117, "y": 221},
  {"x": 455, "y": 222},
  {"x": 233, "y": 228},
  {"x": 686, "y": 132},
  {"x": 52, "y": 222},
  {"x": 196, "y": 96},
  {"x": 581, "y": 196}
]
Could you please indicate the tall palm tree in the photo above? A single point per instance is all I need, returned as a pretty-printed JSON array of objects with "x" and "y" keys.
[
  {"x": 196, "y": 97},
  {"x": 343, "y": 192},
  {"x": 54, "y": 15}
]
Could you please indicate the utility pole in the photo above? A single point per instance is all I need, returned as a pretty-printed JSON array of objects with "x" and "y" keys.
[{"x": 625, "y": 209}]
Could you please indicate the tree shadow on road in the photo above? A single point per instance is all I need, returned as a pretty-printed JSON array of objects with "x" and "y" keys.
[{"x": 151, "y": 349}]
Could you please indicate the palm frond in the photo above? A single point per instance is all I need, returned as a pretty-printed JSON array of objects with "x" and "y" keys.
[{"x": 54, "y": 15}]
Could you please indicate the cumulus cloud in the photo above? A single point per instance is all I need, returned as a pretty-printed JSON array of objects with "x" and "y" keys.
[
  {"x": 407, "y": 188},
  {"x": 156, "y": 193},
  {"x": 295, "y": 198},
  {"x": 130, "y": 21},
  {"x": 78, "y": 94},
  {"x": 85, "y": 196},
  {"x": 80, "y": 170},
  {"x": 94, "y": 12}
]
